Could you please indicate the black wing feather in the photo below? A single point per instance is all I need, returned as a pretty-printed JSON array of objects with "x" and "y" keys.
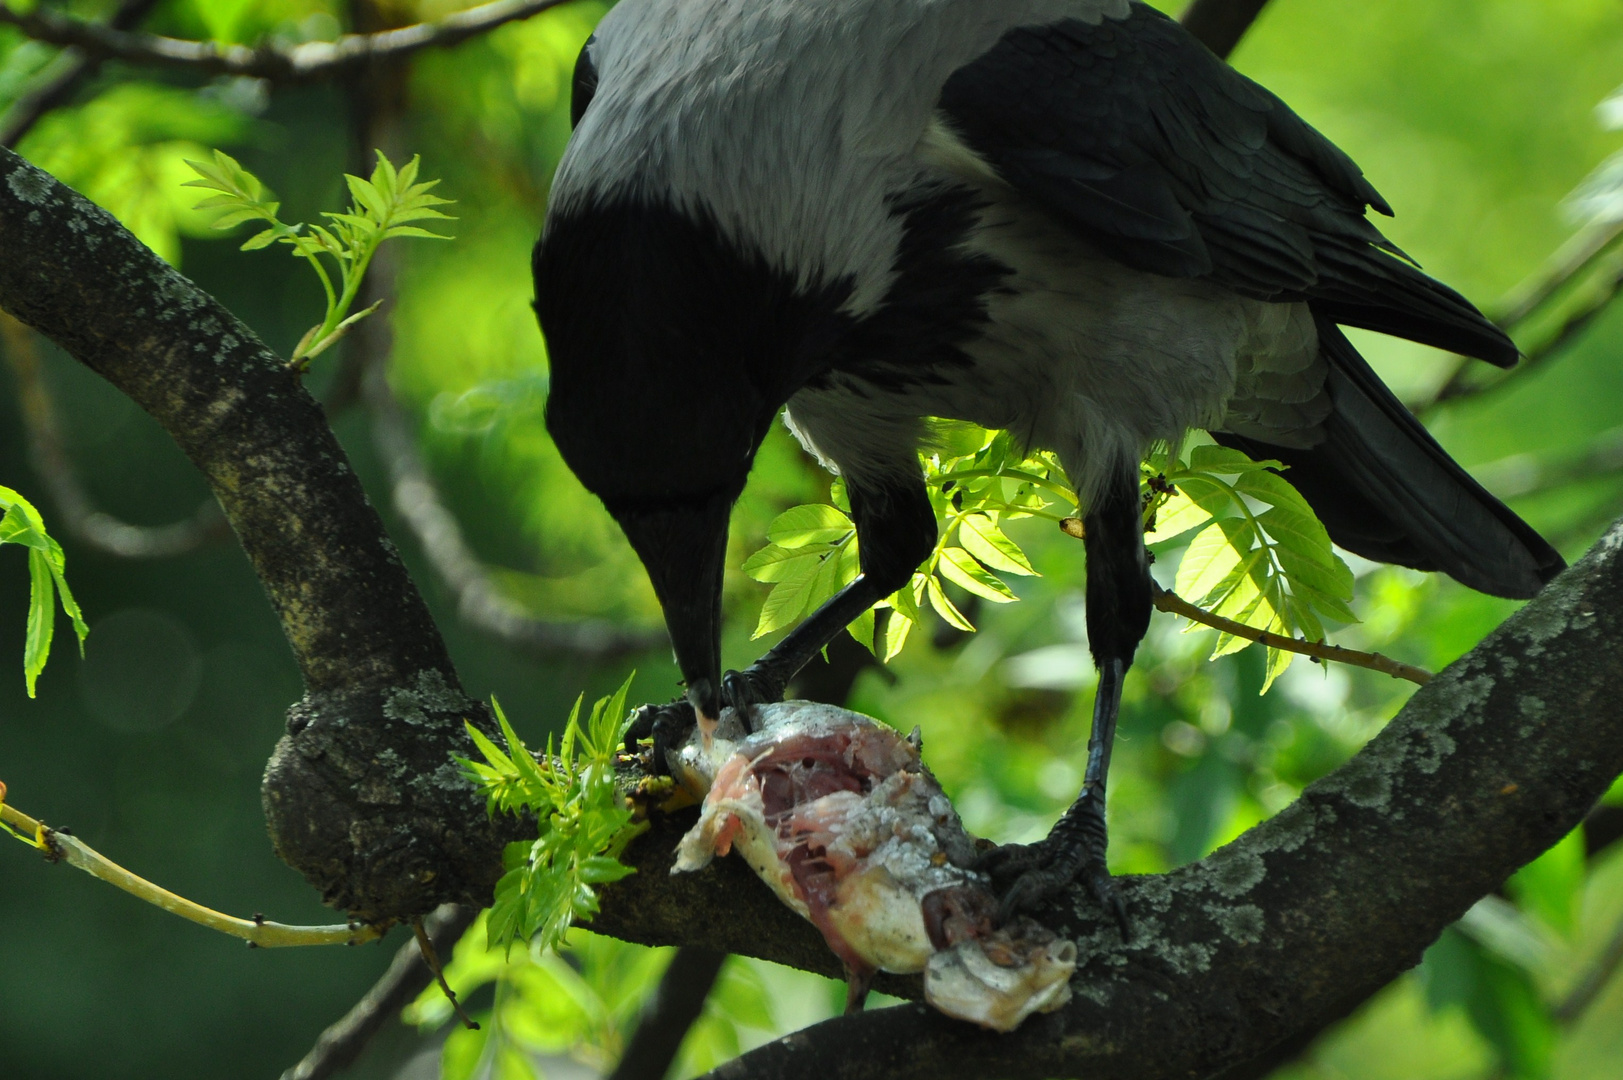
[
  {"x": 1171, "y": 161},
  {"x": 1385, "y": 489}
]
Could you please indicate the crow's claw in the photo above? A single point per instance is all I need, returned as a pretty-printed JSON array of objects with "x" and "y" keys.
[
  {"x": 668, "y": 725},
  {"x": 743, "y": 690},
  {"x": 1074, "y": 851}
]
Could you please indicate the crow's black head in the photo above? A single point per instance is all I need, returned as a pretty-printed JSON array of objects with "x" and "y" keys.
[{"x": 670, "y": 354}]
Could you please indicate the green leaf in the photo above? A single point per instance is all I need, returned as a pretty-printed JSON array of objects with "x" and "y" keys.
[
  {"x": 862, "y": 629},
  {"x": 959, "y": 567},
  {"x": 1211, "y": 558},
  {"x": 411, "y": 230},
  {"x": 58, "y": 566},
  {"x": 1275, "y": 490},
  {"x": 1220, "y": 460},
  {"x": 19, "y": 526},
  {"x": 41, "y": 618},
  {"x": 811, "y": 524},
  {"x": 897, "y": 628},
  {"x": 982, "y": 538},
  {"x": 945, "y": 607},
  {"x": 1176, "y": 516},
  {"x": 368, "y": 197},
  {"x": 774, "y": 563},
  {"x": 788, "y": 599}
]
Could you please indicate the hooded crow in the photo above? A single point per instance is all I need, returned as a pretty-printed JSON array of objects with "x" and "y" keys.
[{"x": 1062, "y": 218}]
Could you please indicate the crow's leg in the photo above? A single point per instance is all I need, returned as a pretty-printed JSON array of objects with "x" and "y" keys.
[
  {"x": 766, "y": 679},
  {"x": 1118, "y": 612},
  {"x": 896, "y": 531},
  {"x": 667, "y": 725}
]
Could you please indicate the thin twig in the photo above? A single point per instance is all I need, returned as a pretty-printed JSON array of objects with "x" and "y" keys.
[
  {"x": 1558, "y": 270},
  {"x": 305, "y": 62},
  {"x": 1318, "y": 650},
  {"x": 479, "y": 602},
  {"x": 426, "y": 947},
  {"x": 57, "y": 83},
  {"x": 1463, "y": 383},
  {"x": 1589, "y": 988},
  {"x": 1220, "y": 24},
  {"x": 1526, "y": 474},
  {"x": 341, "y": 1045},
  {"x": 669, "y": 1013},
  {"x": 50, "y": 458},
  {"x": 60, "y": 846}
]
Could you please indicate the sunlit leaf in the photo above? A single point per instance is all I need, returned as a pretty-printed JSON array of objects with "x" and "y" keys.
[
  {"x": 982, "y": 538},
  {"x": 812, "y": 524},
  {"x": 959, "y": 567}
]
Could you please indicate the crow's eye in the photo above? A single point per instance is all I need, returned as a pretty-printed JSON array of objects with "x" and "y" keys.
[{"x": 585, "y": 84}]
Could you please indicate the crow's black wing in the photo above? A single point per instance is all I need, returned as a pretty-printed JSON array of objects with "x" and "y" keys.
[{"x": 1166, "y": 158}]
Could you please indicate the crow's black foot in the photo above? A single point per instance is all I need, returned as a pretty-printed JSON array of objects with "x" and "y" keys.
[
  {"x": 1073, "y": 851},
  {"x": 669, "y": 727},
  {"x": 743, "y": 690}
]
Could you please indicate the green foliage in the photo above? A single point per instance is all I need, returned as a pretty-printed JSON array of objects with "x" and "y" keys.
[
  {"x": 383, "y": 208},
  {"x": 1262, "y": 559},
  {"x": 1271, "y": 568},
  {"x": 126, "y": 150},
  {"x": 21, "y": 524},
  {"x": 976, "y": 483},
  {"x": 584, "y": 821},
  {"x": 581, "y": 1000}
]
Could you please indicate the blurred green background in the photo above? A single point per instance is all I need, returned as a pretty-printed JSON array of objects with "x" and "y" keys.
[{"x": 1476, "y": 118}]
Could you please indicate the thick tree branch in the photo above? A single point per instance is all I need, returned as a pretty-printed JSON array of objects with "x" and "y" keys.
[
  {"x": 64, "y": 75},
  {"x": 362, "y": 796},
  {"x": 1220, "y": 24},
  {"x": 307, "y": 62},
  {"x": 1281, "y": 931},
  {"x": 49, "y": 456},
  {"x": 1492, "y": 762}
]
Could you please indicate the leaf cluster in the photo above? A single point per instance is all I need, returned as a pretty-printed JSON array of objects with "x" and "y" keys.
[
  {"x": 47, "y": 566},
  {"x": 584, "y": 822},
  {"x": 583, "y": 1000},
  {"x": 1263, "y": 558},
  {"x": 384, "y": 207},
  {"x": 976, "y": 481}
]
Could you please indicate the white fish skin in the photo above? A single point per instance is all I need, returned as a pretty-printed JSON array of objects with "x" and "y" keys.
[{"x": 840, "y": 817}]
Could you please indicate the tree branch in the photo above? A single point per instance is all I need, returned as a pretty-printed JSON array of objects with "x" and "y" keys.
[
  {"x": 1593, "y": 981},
  {"x": 479, "y": 603},
  {"x": 408, "y": 975},
  {"x": 63, "y": 76},
  {"x": 362, "y": 795},
  {"x": 59, "y": 845},
  {"x": 50, "y": 459},
  {"x": 1166, "y": 600},
  {"x": 1275, "y": 934},
  {"x": 667, "y": 1015},
  {"x": 1278, "y": 933},
  {"x": 1220, "y": 24},
  {"x": 307, "y": 62},
  {"x": 1526, "y": 474}
]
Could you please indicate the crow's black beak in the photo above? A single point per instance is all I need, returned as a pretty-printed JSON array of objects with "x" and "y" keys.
[{"x": 684, "y": 546}]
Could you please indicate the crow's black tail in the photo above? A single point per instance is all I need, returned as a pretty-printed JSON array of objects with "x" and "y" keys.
[{"x": 1385, "y": 490}]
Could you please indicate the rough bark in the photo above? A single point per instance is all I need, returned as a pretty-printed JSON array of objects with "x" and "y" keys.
[
  {"x": 361, "y": 796},
  {"x": 1490, "y": 764}
]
